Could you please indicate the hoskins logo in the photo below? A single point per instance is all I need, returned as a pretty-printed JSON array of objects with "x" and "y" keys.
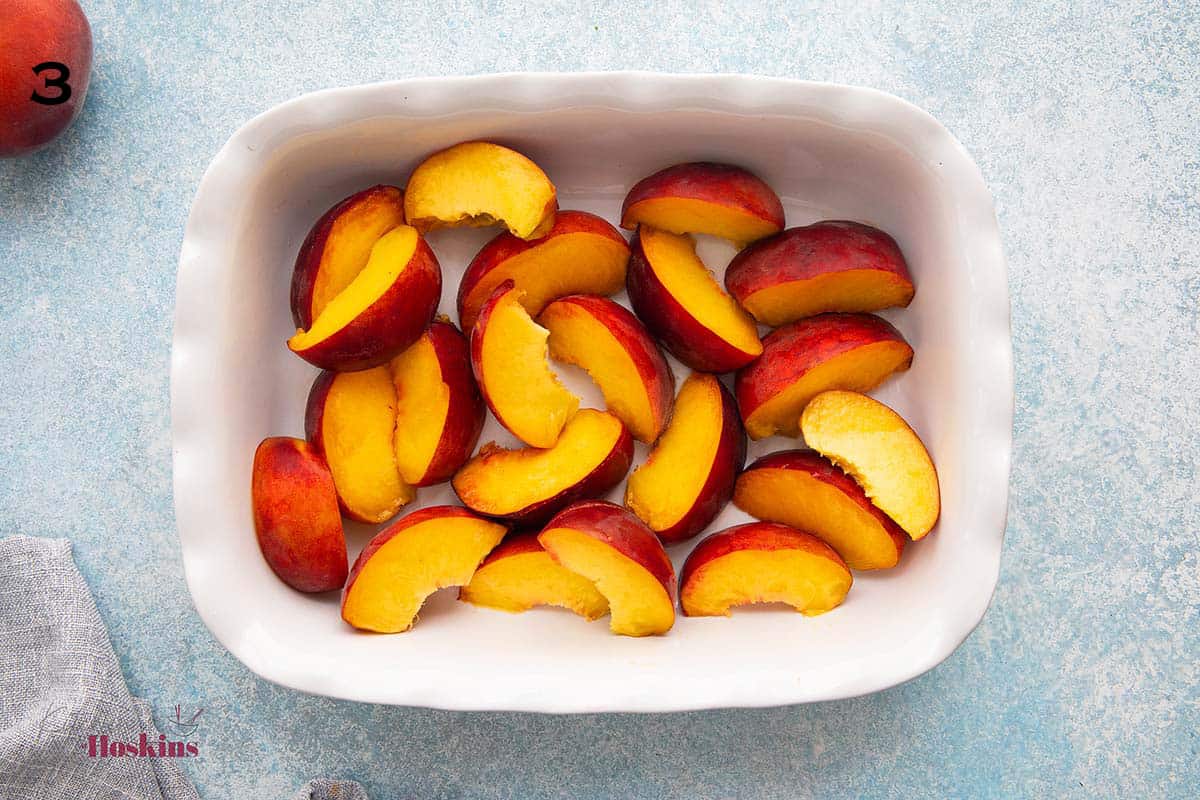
[
  {"x": 185, "y": 726},
  {"x": 101, "y": 745}
]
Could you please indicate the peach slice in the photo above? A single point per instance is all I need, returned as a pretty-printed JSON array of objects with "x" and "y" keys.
[
  {"x": 338, "y": 247},
  {"x": 801, "y": 488},
  {"x": 296, "y": 516},
  {"x": 608, "y": 341},
  {"x": 427, "y": 550},
  {"x": 520, "y": 574},
  {"x": 878, "y": 448},
  {"x": 581, "y": 254},
  {"x": 682, "y": 304},
  {"x": 528, "y": 486},
  {"x": 350, "y": 420},
  {"x": 762, "y": 562},
  {"x": 702, "y": 197},
  {"x": 509, "y": 355},
  {"x": 805, "y": 358},
  {"x": 612, "y": 548},
  {"x": 478, "y": 184},
  {"x": 827, "y": 266},
  {"x": 690, "y": 474},
  {"x": 383, "y": 310},
  {"x": 439, "y": 411}
]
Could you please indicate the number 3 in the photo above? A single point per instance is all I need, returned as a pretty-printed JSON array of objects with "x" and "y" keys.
[{"x": 58, "y": 81}]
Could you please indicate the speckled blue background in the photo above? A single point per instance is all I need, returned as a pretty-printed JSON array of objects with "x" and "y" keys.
[{"x": 1082, "y": 680}]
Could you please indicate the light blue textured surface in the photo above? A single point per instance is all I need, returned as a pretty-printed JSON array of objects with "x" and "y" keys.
[{"x": 1081, "y": 681}]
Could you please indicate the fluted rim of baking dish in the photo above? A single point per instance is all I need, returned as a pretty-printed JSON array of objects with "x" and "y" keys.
[{"x": 859, "y": 107}]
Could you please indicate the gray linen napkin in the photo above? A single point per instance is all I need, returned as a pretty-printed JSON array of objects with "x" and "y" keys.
[
  {"x": 60, "y": 684},
  {"x": 61, "y": 689}
]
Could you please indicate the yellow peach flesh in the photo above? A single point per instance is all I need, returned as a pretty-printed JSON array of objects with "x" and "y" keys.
[
  {"x": 479, "y": 183},
  {"x": 801, "y": 501},
  {"x": 391, "y": 586},
  {"x": 681, "y": 272},
  {"x": 348, "y": 247},
  {"x": 390, "y": 256},
  {"x": 516, "y": 479},
  {"x": 681, "y": 215},
  {"x": 520, "y": 386},
  {"x": 860, "y": 369},
  {"x": 665, "y": 488},
  {"x": 520, "y": 582},
  {"x": 552, "y": 270},
  {"x": 853, "y": 290},
  {"x": 878, "y": 449},
  {"x": 422, "y": 402},
  {"x": 639, "y": 604},
  {"x": 358, "y": 422},
  {"x": 809, "y": 583},
  {"x": 577, "y": 338}
]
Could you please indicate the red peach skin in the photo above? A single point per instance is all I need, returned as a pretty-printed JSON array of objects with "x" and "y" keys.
[
  {"x": 784, "y": 487},
  {"x": 737, "y": 204},
  {"x": 711, "y": 582},
  {"x": 805, "y": 358},
  {"x": 648, "y": 488},
  {"x": 607, "y": 544},
  {"x": 601, "y": 436},
  {"x": 581, "y": 254},
  {"x": 406, "y": 562},
  {"x": 827, "y": 266},
  {"x": 686, "y": 337},
  {"x": 636, "y": 380},
  {"x": 390, "y": 323},
  {"x": 344, "y": 234},
  {"x": 32, "y": 33},
  {"x": 620, "y": 529},
  {"x": 465, "y": 410},
  {"x": 296, "y": 518}
]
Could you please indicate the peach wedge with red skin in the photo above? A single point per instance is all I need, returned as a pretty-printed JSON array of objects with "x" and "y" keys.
[
  {"x": 296, "y": 518},
  {"x": 762, "y": 562},
  {"x": 805, "y": 358},
  {"x": 439, "y": 411},
  {"x": 529, "y": 485},
  {"x": 609, "y": 546},
  {"x": 803, "y": 489},
  {"x": 477, "y": 184},
  {"x": 338, "y": 247},
  {"x": 519, "y": 575},
  {"x": 383, "y": 310},
  {"x": 581, "y": 254},
  {"x": 681, "y": 303},
  {"x": 703, "y": 197},
  {"x": 827, "y": 266},
  {"x": 509, "y": 355},
  {"x": 885, "y": 456},
  {"x": 690, "y": 473},
  {"x": 427, "y": 550},
  {"x": 620, "y": 356},
  {"x": 350, "y": 419}
]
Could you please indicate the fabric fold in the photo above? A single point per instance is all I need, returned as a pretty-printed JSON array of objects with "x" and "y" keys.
[{"x": 65, "y": 711}]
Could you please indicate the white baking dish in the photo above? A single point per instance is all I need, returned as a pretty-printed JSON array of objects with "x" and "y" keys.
[{"x": 830, "y": 151}]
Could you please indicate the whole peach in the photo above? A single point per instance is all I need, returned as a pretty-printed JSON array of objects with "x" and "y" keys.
[{"x": 45, "y": 66}]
